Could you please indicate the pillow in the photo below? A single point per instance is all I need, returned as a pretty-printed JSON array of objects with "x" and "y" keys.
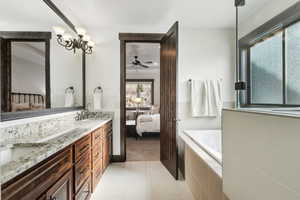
[
  {"x": 37, "y": 106},
  {"x": 155, "y": 109},
  {"x": 15, "y": 107}
]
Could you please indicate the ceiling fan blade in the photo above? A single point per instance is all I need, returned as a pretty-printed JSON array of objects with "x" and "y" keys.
[
  {"x": 148, "y": 62},
  {"x": 145, "y": 66}
]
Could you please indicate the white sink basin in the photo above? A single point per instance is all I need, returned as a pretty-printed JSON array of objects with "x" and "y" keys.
[
  {"x": 47, "y": 137},
  {"x": 74, "y": 131},
  {"x": 10, "y": 153}
]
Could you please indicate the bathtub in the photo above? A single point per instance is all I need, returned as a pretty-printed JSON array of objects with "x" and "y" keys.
[
  {"x": 203, "y": 163},
  {"x": 208, "y": 140}
]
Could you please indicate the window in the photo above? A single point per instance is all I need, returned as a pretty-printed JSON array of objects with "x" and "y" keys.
[
  {"x": 266, "y": 71},
  {"x": 274, "y": 68},
  {"x": 139, "y": 93},
  {"x": 293, "y": 64}
]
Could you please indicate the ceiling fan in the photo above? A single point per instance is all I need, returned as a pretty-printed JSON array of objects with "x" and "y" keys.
[{"x": 137, "y": 62}]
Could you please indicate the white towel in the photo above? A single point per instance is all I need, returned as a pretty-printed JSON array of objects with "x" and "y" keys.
[
  {"x": 206, "y": 98},
  {"x": 69, "y": 99},
  {"x": 216, "y": 97},
  {"x": 97, "y": 98},
  {"x": 199, "y": 104}
]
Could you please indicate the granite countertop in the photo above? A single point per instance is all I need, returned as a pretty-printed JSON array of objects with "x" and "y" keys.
[
  {"x": 26, "y": 155},
  {"x": 284, "y": 112}
]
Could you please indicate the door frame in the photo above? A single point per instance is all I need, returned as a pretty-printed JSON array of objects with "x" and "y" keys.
[{"x": 124, "y": 39}]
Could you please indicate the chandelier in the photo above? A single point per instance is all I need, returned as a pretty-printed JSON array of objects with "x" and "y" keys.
[{"x": 82, "y": 41}]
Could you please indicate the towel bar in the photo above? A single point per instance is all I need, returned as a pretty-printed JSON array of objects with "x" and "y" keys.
[
  {"x": 98, "y": 89},
  {"x": 71, "y": 89}
]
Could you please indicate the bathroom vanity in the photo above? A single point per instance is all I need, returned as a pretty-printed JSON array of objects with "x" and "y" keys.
[{"x": 66, "y": 167}]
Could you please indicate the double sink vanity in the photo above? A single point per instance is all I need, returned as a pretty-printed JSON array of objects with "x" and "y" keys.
[
  {"x": 62, "y": 164},
  {"x": 47, "y": 150}
]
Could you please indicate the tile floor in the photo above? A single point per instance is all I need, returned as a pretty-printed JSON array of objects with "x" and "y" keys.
[
  {"x": 147, "y": 180},
  {"x": 143, "y": 149}
]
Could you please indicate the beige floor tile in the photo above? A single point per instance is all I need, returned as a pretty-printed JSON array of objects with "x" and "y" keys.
[{"x": 145, "y": 180}]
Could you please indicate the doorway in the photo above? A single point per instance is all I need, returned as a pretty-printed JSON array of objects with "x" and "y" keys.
[
  {"x": 168, "y": 97},
  {"x": 142, "y": 101}
]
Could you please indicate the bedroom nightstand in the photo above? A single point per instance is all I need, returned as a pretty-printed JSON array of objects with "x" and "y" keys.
[{"x": 131, "y": 129}]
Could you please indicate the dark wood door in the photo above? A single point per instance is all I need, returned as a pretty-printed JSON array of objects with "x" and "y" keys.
[
  {"x": 169, "y": 53},
  {"x": 5, "y": 62},
  {"x": 62, "y": 190}
]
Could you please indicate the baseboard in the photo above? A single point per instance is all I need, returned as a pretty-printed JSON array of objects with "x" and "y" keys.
[{"x": 117, "y": 158}]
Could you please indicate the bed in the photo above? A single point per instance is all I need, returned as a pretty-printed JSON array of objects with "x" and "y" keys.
[
  {"x": 26, "y": 101},
  {"x": 148, "y": 123}
]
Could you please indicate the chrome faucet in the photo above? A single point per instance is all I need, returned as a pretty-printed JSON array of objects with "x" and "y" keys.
[{"x": 82, "y": 115}]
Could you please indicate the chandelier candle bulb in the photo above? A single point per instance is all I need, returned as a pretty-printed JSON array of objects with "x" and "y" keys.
[
  {"x": 86, "y": 38},
  {"x": 67, "y": 37},
  {"x": 80, "y": 31},
  {"x": 58, "y": 30},
  {"x": 91, "y": 43}
]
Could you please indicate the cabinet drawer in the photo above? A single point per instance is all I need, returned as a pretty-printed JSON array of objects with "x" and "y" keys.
[
  {"x": 34, "y": 183},
  {"x": 97, "y": 151},
  {"x": 82, "y": 146},
  {"x": 82, "y": 169},
  {"x": 97, "y": 173},
  {"x": 108, "y": 127},
  {"x": 85, "y": 191},
  {"x": 97, "y": 136}
]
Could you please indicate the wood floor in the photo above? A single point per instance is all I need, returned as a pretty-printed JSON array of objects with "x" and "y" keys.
[
  {"x": 143, "y": 149},
  {"x": 140, "y": 181}
]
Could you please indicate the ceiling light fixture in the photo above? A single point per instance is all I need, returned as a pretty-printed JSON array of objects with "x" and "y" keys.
[{"x": 82, "y": 41}]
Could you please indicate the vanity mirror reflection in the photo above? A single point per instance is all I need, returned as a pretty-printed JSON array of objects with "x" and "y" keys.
[{"x": 38, "y": 76}]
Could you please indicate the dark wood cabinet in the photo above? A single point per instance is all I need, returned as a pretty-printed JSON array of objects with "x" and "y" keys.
[
  {"x": 84, "y": 192},
  {"x": 82, "y": 170},
  {"x": 101, "y": 152},
  {"x": 70, "y": 174},
  {"x": 107, "y": 145},
  {"x": 62, "y": 190},
  {"x": 82, "y": 146},
  {"x": 34, "y": 182}
]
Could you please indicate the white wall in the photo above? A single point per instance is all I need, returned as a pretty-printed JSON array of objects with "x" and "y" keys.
[
  {"x": 263, "y": 14},
  {"x": 149, "y": 75},
  {"x": 65, "y": 71},
  {"x": 202, "y": 54}
]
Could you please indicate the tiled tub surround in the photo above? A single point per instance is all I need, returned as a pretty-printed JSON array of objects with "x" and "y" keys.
[
  {"x": 261, "y": 155},
  {"x": 203, "y": 168},
  {"x": 18, "y": 151}
]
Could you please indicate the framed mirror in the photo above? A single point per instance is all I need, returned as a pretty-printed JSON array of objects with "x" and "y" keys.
[{"x": 38, "y": 76}]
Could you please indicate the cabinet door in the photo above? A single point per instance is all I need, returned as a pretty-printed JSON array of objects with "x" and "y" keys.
[
  {"x": 110, "y": 146},
  {"x": 62, "y": 190},
  {"x": 84, "y": 192}
]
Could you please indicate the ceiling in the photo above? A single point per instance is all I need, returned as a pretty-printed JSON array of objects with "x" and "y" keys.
[
  {"x": 127, "y": 15},
  {"x": 30, "y": 13},
  {"x": 145, "y": 52},
  {"x": 192, "y": 14}
]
